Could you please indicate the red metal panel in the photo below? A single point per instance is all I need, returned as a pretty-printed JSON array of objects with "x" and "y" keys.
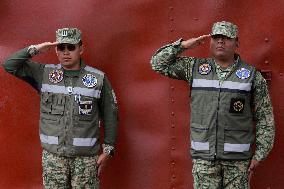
[{"x": 120, "y": 37}]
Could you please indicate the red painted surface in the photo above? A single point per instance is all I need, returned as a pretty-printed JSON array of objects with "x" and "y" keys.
[{"x": 120, "y": 38}]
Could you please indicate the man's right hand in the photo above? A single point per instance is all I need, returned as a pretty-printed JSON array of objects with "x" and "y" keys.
[
  {"x": 193, "y": 42},
  {"x": 44, "y": 47}
]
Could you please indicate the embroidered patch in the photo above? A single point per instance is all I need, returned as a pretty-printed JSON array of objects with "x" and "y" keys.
[
  {"x": 243, "y": 73},
  {"x": 204, "y": 69},
  {"x": 55, "y": 76},
  {"x": 89, "y": 80},
  {"x": 85, "y": 107},
  {"x": 237, "y": 105}
]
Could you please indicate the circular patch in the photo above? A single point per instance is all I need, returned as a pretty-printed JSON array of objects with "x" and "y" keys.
[
  {"x": 204, "y": 69},
  {"x": 55, "y": 76},
  {"x": 243, "y": 73},
  {"x": 238, "y": 106},
  {"x": 89, "y": 80}
]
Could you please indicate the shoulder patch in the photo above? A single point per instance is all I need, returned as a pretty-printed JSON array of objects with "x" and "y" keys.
[
  {"x": 243, "y": 73},
  {"x": 204, "y": 68}
]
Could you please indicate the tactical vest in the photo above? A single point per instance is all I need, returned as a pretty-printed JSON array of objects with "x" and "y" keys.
[
  {"x": 69, "y": 111},
  {"x": 221, "y": 115}
]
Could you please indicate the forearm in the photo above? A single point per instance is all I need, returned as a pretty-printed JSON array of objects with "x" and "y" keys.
[
  {"x": 16, "y": 61},
  {"x": 167, "y": 62},
  {"x": 109, "y": 114},
  {"x": 265, "y": 128}
]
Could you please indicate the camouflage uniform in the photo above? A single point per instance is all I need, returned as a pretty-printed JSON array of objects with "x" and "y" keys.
[
  {"x": 70, "y": 154},
  {"x": 220, "y": 173},
  {"x": 69, "y": 172}
]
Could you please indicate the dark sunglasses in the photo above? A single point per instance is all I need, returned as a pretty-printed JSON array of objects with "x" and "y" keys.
[{"x": 70, "y": 47}]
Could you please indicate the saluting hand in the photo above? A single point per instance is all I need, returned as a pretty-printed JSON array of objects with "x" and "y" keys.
[
  {"x": 44, "y": 47},
  {"x": 193, "y": 42}
]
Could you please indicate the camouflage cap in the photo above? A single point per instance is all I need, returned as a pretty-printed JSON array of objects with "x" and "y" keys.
[
  {"x": 68, "y": 35},
  {"x": 225, "y": 28}
]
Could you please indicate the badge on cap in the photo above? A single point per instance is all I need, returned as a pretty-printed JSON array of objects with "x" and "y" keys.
[
  {"x": 55, "y": 76},
  {"x": 89, "y": 80},
  {"x": 204, "y": 69},
  {"x": 243, "y": 73}
]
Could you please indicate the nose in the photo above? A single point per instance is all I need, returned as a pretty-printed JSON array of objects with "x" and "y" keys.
[
  {"x": 220, "y": 40},
  {"x": 65, "y": 51}
]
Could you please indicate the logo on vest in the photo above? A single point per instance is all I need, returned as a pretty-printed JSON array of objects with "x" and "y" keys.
[
  {"x": 204, "y": 69},
  {"x": 237, "y": 105},
  {"x": 55, "y": 76},
  {"x": 89, "y": 80},
  {"x": 85, "y": 107},
  {"x": 243, "y": 73}
]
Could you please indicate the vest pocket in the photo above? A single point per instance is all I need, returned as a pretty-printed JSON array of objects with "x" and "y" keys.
[
  {"x": 237, "y": 141},
  {"x": 52, "y": 104},
  {"x": 199, "y": 137}
]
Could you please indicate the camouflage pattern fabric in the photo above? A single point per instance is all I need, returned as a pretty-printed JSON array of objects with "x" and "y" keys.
[
  {"x": 225, "y": 28},
  {"x": 68, "y": 35},
  {"x": 220, "y": 174},
  {"x": 69, "y": 172}
]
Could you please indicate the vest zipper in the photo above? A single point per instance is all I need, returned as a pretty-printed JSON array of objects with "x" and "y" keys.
[{"x": 217, "y": 115}]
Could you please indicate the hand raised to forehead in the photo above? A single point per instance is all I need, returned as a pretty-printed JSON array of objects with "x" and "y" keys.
[
  {"x": 44, "y": 47},
  {"x": 193, "y": 42}
]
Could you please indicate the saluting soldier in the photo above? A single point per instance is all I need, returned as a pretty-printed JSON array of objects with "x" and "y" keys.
[
  {"x": 227, "y": 96},
  {"x": 74, "y": 99}
]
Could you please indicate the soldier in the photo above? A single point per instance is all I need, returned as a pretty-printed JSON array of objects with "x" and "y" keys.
[
  {"x": 227, "y": 96},
  {"x": 74, "y": 99}
]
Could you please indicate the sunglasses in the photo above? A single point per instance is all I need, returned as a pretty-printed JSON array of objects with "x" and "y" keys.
[{"x": 70, "y": 47}]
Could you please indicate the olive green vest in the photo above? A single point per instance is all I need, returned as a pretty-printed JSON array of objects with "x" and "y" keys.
[
  {"x": 221, "y": 114},
  {"x": 69, "y": 111}
]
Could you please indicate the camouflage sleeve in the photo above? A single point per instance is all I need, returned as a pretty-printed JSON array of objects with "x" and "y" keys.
[
  {"x": 166, "y": 62},
  {"x": 20, "y": 65},
  {"x": 263, "y": 115},
  {"x": 109, "y": 113}
]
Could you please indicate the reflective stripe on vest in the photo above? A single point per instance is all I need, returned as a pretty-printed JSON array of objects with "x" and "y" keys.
[
  {"x": 236, "y": 147},
  {"x": 84, "y": 141},
  {"x": 204, "y": 83},
  {"x": 76, "y": 90},
  {"x": 93, "y": 70},
  {"x": 200, "y": 145},
  {"x": 57, "y": 66},
  {"x": 48, "y": 139}
]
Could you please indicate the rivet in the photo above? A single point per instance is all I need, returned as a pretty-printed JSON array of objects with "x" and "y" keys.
[
  {"x": 171, "y": 8},
  {"x": 266, "y": 39},
  {"x": 172, "y": 87},
  {"x": 195, "y": 18},
  {"x": 173, "y": 176},
  {"x": 281, "y": 74},
  {"x": 171, "y": 19},
  {"x": 173, "y": 125},
  {"x": 173, "y": 163},
  {"x": 172, "y": 30},
  {"x": 266, "y": 62},
  {"x": 173, "y": 113},
  {"x": 173, "y": 148},
  {"x": 173, "y": 137},
  {"x": 173, "y": 100}
]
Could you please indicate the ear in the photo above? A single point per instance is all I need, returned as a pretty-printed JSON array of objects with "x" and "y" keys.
[
  {"x": 81, "y": 49},
  {"x": 56, "y": 51},
  {"x": 237, "y": 42}
]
